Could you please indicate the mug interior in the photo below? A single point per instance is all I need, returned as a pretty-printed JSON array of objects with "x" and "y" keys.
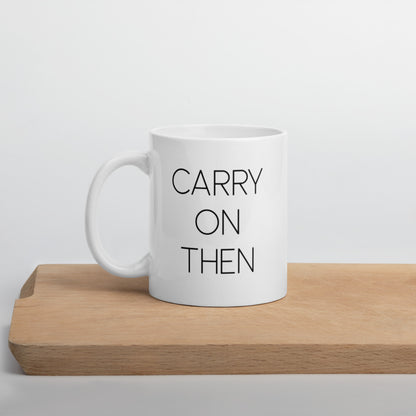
[{"x": 214, "y": 131}]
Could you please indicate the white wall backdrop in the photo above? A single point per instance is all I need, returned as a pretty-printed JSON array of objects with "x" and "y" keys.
[{"x": 83, "y": 80}]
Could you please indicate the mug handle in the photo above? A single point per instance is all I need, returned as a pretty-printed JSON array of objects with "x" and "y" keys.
[{"x": 138, "y": 269}]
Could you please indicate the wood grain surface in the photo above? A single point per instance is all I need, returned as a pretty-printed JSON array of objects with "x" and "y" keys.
[{"x": 336, "y": 318}]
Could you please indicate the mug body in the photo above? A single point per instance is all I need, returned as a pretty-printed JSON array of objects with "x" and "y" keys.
[{"x": 218, "y": 215}]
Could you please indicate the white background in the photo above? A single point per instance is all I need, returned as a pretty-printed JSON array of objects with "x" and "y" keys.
[{"x": 83, "y": 80}]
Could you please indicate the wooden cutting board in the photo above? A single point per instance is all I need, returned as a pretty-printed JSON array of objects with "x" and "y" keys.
[{"x": 336, "y": 318}]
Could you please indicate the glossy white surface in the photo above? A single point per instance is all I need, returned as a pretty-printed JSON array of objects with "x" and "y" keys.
[
  {"x": 218, "y": 216},
  {"x": 139, "y": 268}
]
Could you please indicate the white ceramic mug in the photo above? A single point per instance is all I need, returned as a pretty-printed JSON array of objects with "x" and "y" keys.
[{"x": 218, "y": 215}]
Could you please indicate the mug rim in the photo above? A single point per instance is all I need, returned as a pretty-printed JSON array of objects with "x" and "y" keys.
[{"x": 235, "y": 131}]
